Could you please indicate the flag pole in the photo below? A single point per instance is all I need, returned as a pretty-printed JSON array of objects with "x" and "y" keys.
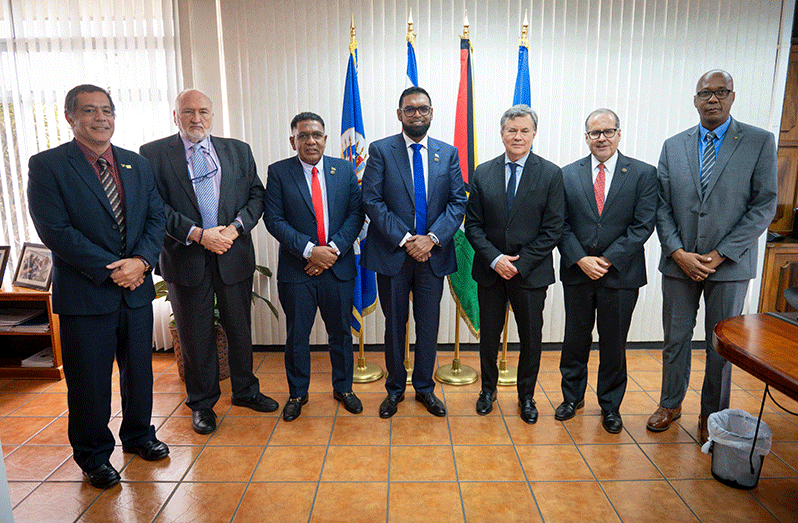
[
  {"x": 507, "y": 375},
  {"x": 363, "y": 372},
  {"x": 411, "y": 42},
  {"x": 456, "y": 373}
]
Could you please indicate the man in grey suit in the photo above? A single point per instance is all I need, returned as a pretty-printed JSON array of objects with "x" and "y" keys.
[
  {"x": 213, "y": 199},
  {"x": 514, "y": 219},
  {"x": 717, "y": 192},
  {"x": 610, "y": 211}
]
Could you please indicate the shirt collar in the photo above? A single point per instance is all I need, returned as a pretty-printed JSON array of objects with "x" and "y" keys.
[
  {"x": 92, "y": 157},
  {"x": 409, "y": 141},
  {"x": 205, "y": 143},
  {"x": 308, "y": 168},
  {"x": 609, "y": 165},
  {"x": 720, "y": 131},
  {"x": 520, "y": 162}
]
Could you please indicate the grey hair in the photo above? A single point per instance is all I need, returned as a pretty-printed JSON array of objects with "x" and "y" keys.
[
  {"x": 519, "y": 111},
  {"x": 71, "y": 100},
  {"x": 603, "y": 111}
]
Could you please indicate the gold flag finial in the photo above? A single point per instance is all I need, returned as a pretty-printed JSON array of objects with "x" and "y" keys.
[
  {"x": 411, "y": 36},
  {"x": 465, "y": 26},
  {"x": 353, "y": 39},
  {"x": 524, "y": 31}
]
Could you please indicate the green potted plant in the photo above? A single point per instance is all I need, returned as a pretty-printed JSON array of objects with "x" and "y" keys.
[{"x": 162, "y": 291}]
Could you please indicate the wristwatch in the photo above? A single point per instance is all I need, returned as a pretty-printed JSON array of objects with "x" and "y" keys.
[{"x": 239, "y": 227}]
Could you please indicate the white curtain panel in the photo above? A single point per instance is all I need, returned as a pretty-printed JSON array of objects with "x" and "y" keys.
[
  {"x": 641, "y": 58},
  {"x": 49, "y": 46}
]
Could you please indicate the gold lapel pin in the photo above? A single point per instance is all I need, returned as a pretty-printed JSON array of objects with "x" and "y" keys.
[
  {"x": 436, "y": 159},
  {"x": 126, "y": 166},
  {"x": 623, "y": 170},
  {"x": 332, "y": 170}
]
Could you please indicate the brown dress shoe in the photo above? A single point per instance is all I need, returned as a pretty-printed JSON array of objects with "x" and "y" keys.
[
  {"x": 703, "y": 430},
  {"x": 662, "y": 418}
]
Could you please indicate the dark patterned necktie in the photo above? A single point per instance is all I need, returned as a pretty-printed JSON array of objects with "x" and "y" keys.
[
  {"x": 511, "y": 186},
  {"x": 109, "y": 186},
  {"x": 707, "y": 161}
]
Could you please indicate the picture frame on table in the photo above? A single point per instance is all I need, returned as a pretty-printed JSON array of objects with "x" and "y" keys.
[
  {"x": 5, "y": 251},
  {"x": 35, "y": 267}
]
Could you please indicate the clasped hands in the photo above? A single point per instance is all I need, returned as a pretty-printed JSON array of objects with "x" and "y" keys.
[
  {"x": 217, "y": 239},
  {"x": 322, "y": 257},
  {"x": 128, "y": 272},
  {"x": 696, "y": 266},
  {"x": 505, "y": 266},
  {"x": 419, "y": 246},
  {"x": 594, "y": 266}
]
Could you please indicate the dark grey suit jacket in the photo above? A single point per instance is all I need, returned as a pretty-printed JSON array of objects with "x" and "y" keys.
[
  {"x": 241, "y": 193},
  {"x": 739, "y": 204},
  {"x": 532, "y": 229},
  {"x": 621, "y": 231},
  {"x": 290, "y": 218}
]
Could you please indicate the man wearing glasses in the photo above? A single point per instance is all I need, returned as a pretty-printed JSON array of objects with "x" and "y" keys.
[
  {"x": 610, "y": 212},
  {"x": 213, "y": 199},
  {"x": 717, "y": 194},
  {"x": 414, "y": 195}
]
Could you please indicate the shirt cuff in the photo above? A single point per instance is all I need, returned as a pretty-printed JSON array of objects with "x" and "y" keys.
[
  {"x": 193, "y": 227},
  {"x": 308, "y": 250},
  {"x": 404, "y": 240},
  {"x": 335, "y": 247},
  {"x": 495, "y": 261},
  {"x": 434, "y": 238}
]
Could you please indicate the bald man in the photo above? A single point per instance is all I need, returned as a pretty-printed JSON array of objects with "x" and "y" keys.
[{"x": 213, "y": 199}]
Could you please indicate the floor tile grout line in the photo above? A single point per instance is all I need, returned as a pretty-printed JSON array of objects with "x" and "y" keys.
[
  {"x": 454, "y": 460},
  {"x": 323, "y": 463}
]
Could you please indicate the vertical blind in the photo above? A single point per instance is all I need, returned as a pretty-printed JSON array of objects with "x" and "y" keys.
[
  {"x": 641, "y": 58},
  {"x": 49, "y": 46}
]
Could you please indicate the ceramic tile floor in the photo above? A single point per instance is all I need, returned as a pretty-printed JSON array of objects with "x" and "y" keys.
[{"x": 329, "y": 465}]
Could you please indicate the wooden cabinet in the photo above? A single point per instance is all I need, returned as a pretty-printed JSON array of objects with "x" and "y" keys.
[
  {"x": 780, "y": 272},
  {"x": 18, "y": 343}
]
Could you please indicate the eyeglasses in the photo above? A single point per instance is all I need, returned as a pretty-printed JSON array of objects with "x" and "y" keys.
[
  {"x": 608, "y": 133},
  {"x": 211, "y": 173},
  {"x": 304, "y": 137},
  {"x": 720, "y": 94},
  {"x": 423, "y": 110}
]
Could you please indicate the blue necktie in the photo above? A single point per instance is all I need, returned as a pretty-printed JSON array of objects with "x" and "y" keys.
[
  {"x": 707, "y": 161},
  {"x": 203, "y": 188},
  {"x": 511, "y": 186},
  {"x": 420, "y": 190}
]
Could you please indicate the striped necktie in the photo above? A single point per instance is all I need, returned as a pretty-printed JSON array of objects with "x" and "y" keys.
[
  {"x": 203, "y": 188},
  {"x": 707, "y": 161},
  {"x": 111, "y": 190}
]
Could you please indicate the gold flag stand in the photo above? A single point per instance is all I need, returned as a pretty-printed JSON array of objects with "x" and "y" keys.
[
  {"x": 507, "y": 375},
  {"x": 365, "y": 372},
  {"x": 408, "y": 364},
  {"x": 456, "y": 373}
]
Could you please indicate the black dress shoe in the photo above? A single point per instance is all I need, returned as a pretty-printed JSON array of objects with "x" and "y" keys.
[
  {"x": 529, "y": 412},
  {"x": 567, "y": 410},
  {"x": 349, "y": 401},
  {"x": 612, "y": 421},
  {"x": 103, "y": 476},
  {"x": 258, "y": 402},
  {"x": 293, "y": 408},
  {"x": 388, "y": 405},
  {"x": 152, "y": 450},
  {"x": 203, "y": 421},
  {"x": 485, "y": 402},
  {"x": 433, "y": 404}
]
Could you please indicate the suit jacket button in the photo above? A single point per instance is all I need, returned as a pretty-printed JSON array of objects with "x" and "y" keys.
[
  {"x": 115, "y": 226},
  {"x": 702, "y": 214}
]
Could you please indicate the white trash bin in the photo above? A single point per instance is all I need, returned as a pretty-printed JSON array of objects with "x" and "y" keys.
[{"x": 732, "y": 432}]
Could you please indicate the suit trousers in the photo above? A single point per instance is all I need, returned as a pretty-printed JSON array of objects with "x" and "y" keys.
[
  {"x": 528, "y": 310},
  {"x": 333, "y": 298},
  {"x": 680, "y": 296},
  {"x": 88, "y": 347},
  {"x": 194, "y": 317},
  {"x": 394, "y": 294},
  {"x": 612, "y": 310}
]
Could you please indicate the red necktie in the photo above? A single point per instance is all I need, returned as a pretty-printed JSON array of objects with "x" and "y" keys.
[
  {"x": 318, "y": 207},
  {"x": 598, "y": 189}
]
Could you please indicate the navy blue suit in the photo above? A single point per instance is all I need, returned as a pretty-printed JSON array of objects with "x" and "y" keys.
[
  {"x": 99, "y": 319},
  {"x": 389, "y": 202},
  {"x": 290, "y": 218}
]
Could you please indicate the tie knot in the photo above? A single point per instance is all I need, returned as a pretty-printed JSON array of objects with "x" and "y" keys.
[
  {"x": 513, "y": 167},
  {"x": 711, "y": 136},
  {"x": 601, "y": 167},
  {"x": 314, "y": 171},
  {"x": 103, "y": 162},
  {"x": 416, "y": 147}
]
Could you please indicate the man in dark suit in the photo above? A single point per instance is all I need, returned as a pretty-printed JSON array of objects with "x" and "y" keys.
[
  {"x": 414, "y": 195},
  {"x": 717, "y": 195},
  {"x": 610, "y": 211},
  {"x": 313, "y": 210},
  {"x": 96, "y": 208},
  {"x": 213, "y": 199},
  {"x": 514, "y": 219}
]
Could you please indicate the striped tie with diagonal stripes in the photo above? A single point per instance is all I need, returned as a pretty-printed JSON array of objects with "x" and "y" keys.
[
  {"x": 109, "y": 186},
  {"x": 707, "y": 161}
]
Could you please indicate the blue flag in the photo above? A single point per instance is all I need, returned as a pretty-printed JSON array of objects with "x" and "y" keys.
[
  {"x": 412, "y": 68},
  {"x": 522, "y": 94},
  {"x": 353, "y": 149}
]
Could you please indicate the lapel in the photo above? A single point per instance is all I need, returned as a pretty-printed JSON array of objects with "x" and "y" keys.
[
  {"x": 586, "y": 183},
  {"x": 128, "y": 178},
  {"x": 528, "y": 180},
  {"x": 734, "y": 135},
  {"x": 691, "y": 151},
  {"x": 403, "y": 165},
  {"x": 297, "y": 175},
  {"x": 331, "y": 183},
  {"x": 176, "y": 153},
  {"x": 86, "y": 173},
  {"x": 227, "y": 183},
  {"x": 497, "y": 190},
  {"x": 434, "y": 168},
  {"x": 619, "y": 178}
]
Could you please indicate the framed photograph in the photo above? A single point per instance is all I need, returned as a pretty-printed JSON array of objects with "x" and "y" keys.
[
  {"x": 4, "y": 252},
  {"x": 35, "y": 267}
]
